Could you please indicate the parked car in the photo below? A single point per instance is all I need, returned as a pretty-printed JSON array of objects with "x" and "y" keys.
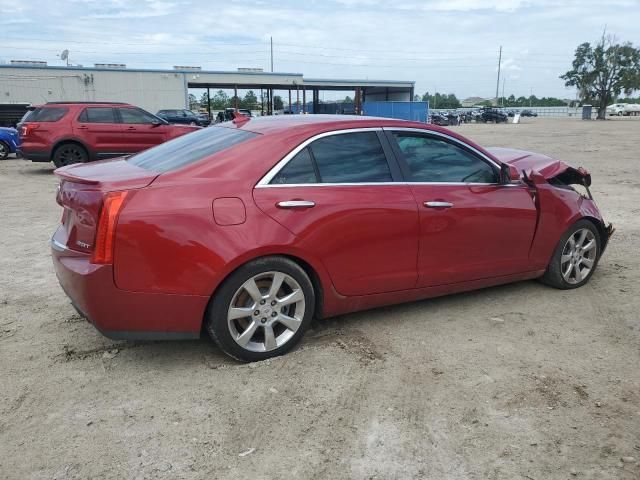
[
  {"x": 186, "y": 117},
  {"x": 250, "y": 228},
  {"x": 528, "y": 113},
  {"x": 78, "y": 132},
  {"x": 490, "y": 114},
  {"x": 440, "y": 120},
  {"x": 9, "y": 140}
]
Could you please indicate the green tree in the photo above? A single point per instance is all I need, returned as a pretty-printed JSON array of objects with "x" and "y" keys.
[
  {"x": 220, "y": 100},
  {"x": 193, "y": 102},
  {"x": 250, "y": 100},
  {"x": 277, "y": 102},
  {"x": 604, "y": 71},
  {"x": 204, "y": 100},
  {"x": 347, "y": 99},
  {"x": 441, "y": 101}
]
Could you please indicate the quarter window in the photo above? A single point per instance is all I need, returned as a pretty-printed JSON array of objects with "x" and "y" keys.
[
  {"x": 351, "y": 158},
  {"x": 433, "y": 159},
  {"x": 46, "y": 114},
  {"x": 298, "y": 170}
]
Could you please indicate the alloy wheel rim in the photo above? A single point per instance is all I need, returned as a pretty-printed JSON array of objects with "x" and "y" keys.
[
  {"x": 578, "y": 256},
  {"x": 3, "y": 149},
  {"x": 266, "y": 311},
  {"x": 69, "y": 156}
]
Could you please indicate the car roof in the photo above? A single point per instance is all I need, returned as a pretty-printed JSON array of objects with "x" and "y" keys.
[
  {"x": 319, "y": 123},
  {"x": 55, "y": 104}
]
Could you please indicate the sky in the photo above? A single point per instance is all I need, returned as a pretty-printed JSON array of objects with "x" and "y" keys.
[{"x": 446, "y": 45}]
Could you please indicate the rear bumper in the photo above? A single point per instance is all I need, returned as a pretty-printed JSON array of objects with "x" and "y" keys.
[
  {"x": 34, "y": 155},
  {"x": 121, "y": 314}
]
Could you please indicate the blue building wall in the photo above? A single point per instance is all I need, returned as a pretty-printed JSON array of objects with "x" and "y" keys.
[{"x": 415, "y": 111}]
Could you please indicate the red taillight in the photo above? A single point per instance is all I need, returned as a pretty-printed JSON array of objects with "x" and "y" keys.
[
  {"x": 105, "y": 236},
  {"x": 28, "y": 128}
]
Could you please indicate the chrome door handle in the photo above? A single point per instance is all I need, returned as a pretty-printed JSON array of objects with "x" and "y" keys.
[
  {"x": 296, "y": 204},
  {"x": 438, "y": 204}
]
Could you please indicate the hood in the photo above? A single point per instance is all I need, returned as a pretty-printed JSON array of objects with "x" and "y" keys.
[
  {"x": 546, "y": 166},
  {"x": 549, "y": 168}
]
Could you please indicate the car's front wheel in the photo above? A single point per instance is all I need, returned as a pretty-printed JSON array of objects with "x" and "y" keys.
[
  {"x": 262, "y": 310},
  {"x": 575, "y": 258}
]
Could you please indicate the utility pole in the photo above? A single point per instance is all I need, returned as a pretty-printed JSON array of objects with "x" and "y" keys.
[
  {"x": 271, "y": 102},
  {"x": 271, "y": 54},
  {"x": 498, "y": 82},
  {"x": 503, "y": 82}
]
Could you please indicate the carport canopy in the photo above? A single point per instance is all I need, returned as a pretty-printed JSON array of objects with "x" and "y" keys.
[{"x": 378, "y": 90}]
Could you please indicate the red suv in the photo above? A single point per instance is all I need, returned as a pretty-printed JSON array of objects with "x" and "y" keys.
[{"x": 78, "y": 132}]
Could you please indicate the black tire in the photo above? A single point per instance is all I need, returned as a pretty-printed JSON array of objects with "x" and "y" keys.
[
  {"x": 68, "y": 154},
  {"x": 553, "y": 276},
  {"x": 218, "y": 326},
  {"x": 4, "y": 150}
]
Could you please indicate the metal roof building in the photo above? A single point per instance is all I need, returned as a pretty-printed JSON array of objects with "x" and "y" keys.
[{"x": 154, "y": 89}]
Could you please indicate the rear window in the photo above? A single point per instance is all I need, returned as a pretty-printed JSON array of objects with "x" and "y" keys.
[
  {"x": 190, "y": 148},
  {"x": 45, "y": 114}
]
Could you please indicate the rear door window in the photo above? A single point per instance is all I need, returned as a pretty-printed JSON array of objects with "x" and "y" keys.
[
  {"x": 46, "y": 114},
  {"x": 98, "y": 115},
  {"x": 351, "y": 158},
  {"x": 190, "y": 148}
]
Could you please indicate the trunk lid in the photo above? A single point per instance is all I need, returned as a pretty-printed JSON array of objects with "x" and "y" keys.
[{"x": 82, "y": 192}]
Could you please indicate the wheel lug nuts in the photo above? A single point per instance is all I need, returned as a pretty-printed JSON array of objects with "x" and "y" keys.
[
  {"x": 263, "y": 320},
  {"x": 262, "y": 302},
  {"x": 274, "y": 314},
  {"x": 273, "y": 303},
  {"x": 257, "y": 312}
]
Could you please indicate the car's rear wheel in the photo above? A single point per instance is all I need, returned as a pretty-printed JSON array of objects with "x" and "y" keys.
[
  {"x": 4, "y": 150},
  {"x": 575, "y": 258},
  {"x": 262, "y": 310},
  {"x": 68, "y": 154}
]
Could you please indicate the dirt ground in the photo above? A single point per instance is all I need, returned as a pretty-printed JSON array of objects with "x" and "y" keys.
[{"x": 513, "y": 382}]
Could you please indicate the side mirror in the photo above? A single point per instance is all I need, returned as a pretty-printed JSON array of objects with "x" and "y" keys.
[
  {"x": 508, "y": 174},
  {"x": 157, "y": 123}
]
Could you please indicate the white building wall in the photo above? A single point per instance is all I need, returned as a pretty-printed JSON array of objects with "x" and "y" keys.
[{"x": 152, "y": 91}]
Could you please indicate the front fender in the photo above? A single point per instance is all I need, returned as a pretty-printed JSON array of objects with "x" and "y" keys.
[{"x": 558, "y": 209}]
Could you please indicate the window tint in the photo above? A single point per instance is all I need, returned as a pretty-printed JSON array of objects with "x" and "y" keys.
[
  {"x": 98, "y": 115},
  {"x": 45, "y": 114},
  {"x": 298, "y": 170},
  {"x": 135, "y": 115},
  {"x": 435, "y": 160},
  {"x": 351, "y": 158},
  {"x": 189, "y": 148}
]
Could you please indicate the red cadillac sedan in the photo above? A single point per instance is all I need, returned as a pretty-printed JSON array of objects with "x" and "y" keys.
[{"x": 252, "y": 227}]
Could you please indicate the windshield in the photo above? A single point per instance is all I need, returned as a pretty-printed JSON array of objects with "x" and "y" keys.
[{"x": 189, "y": 148}]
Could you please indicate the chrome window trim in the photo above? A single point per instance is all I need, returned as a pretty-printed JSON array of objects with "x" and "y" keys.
[
  {"x": 370, "y": 184},
  {"x": 264, "y": 181}
]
